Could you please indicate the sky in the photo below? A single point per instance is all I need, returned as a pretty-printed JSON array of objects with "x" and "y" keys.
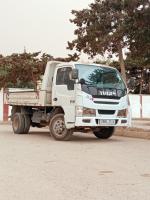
[{"x": 37, "y": 25}]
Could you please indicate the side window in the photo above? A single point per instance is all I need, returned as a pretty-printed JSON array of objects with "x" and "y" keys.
[
  {"x": 63, "y": 76},
  {"x": 59, "y": 78}
]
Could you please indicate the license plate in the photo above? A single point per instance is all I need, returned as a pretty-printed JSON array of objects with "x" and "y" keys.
[{"x": 107, "y": 122}]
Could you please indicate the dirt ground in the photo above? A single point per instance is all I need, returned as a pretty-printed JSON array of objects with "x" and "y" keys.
[{"x": 35, "y": 167}]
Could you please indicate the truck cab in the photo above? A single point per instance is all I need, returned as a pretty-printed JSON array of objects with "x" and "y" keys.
[{"x": 96, "y": 97}]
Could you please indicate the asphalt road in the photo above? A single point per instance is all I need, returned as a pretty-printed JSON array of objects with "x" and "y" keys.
[{"x": 35, "y": 167}]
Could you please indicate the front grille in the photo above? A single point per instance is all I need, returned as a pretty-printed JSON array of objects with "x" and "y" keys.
[
  {"x": 105, "y": 102},
  {"x": 106, "y": 112},
  {"x": 106, "y": 97}
]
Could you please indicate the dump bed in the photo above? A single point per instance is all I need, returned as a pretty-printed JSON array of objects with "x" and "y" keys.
[{"x": 29, "y": 97}]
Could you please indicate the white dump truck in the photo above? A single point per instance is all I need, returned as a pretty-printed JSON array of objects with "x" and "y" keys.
[{"x": 72, "y": 97}]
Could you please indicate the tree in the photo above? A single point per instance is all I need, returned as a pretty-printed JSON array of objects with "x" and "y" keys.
[
  {"x": 137, "y": 28},
  {"x": 100, "y": 30},
  {"x": 104, "y": 28},
  {"x": 74, "y": 57},
  {"x": 138, "y": 74},
  {"x": 22, "y": 70}
]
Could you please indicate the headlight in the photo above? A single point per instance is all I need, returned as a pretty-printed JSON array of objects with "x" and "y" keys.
[
  {"x": 79, "y": 111},
  {"x": 89, "y": 112},
  {"x": 85, "y": 112},
  {"x": 123, "y": 113}
]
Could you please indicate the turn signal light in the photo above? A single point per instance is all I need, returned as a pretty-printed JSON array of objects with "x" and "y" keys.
[
  {"x": 122, "y": 113},
  {"x": 82, "y": 112}
]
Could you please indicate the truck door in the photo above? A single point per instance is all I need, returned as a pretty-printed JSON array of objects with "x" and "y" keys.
[{"x": 63, "y": 94}]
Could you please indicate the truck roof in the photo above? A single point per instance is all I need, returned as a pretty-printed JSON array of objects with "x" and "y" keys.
[
  {"x": 98, "y": 65},
  {"x": 81, "y": 63}
]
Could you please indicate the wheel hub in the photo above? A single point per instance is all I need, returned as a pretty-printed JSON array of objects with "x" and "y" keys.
[{"x": 59, "y": 127}]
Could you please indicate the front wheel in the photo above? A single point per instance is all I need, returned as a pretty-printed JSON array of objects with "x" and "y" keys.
[
  {"x": 104, "y": 133},
  {"x": 58, "y": 129}
]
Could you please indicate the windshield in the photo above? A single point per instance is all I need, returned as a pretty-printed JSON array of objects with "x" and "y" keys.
[{"x": 100, "y": 80}]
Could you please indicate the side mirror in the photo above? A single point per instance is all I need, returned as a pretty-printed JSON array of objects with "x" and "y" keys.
[
  {"x": 82, "y": 81},
  {"x": 75, "y": 74}
]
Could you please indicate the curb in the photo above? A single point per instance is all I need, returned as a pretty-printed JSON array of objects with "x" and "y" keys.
[
  {"x": 140, "y": 119},
  {"x": 133, "y": 133}
]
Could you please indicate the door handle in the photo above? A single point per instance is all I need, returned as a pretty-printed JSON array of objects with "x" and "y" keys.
[{"x": 55, "y": 99}]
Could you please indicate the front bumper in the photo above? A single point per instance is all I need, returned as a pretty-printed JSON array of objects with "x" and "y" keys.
[{"x": 95, "y": 122}]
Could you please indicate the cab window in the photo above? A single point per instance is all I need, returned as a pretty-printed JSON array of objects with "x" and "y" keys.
[{"x": 63, "y": 76}]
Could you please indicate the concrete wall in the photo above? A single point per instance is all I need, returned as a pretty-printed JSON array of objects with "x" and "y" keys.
[
  {"x": 146, "y": 106},
  {"x": 135, "y": 106},
  {"x": 140, "y": 106}
]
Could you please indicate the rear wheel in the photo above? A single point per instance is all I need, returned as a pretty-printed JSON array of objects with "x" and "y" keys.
[
  {"x": 27, "y": 123},
  {"x": 18, "y": 123},
  {"x": 104, "y": 133},
  {"x": 58, "y": 129}
]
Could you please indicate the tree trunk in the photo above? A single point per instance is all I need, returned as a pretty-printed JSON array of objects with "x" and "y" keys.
[
  {"x": 141, "y": 81},
  {"x": 148, "y": 86},
  {"x": 121, "y": 61}
]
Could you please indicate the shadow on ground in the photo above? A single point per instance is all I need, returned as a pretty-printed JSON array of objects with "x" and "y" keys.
[{"x": 76, "y": 137}]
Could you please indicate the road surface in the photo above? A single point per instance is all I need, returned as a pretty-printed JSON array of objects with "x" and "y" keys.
[{"x": 35, "y": 167}]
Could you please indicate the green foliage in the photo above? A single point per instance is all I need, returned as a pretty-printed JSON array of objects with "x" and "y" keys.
[
  {"x": 74, "y": 57},
  {"x": 137, "y": 28},
  {"x": 96, "y": 76},
  {"x": 109, "y": 24},
  {"x": 99, "y": 28},
  {"x": 22, "y": 70}
]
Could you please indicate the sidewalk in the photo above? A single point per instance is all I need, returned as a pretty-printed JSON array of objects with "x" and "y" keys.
[
  {"x": 142, "y": 124},
  {"x": 139, "y": 129}
]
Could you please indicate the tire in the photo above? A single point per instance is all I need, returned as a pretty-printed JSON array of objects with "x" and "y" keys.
[
  {"x": 58, "y": 130},
  {"x": 27, "y": 123},
  {"x": 15, "y": 109},
  {"x": 104, "y": 133},
  {"x": 18, "y": 123}
]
